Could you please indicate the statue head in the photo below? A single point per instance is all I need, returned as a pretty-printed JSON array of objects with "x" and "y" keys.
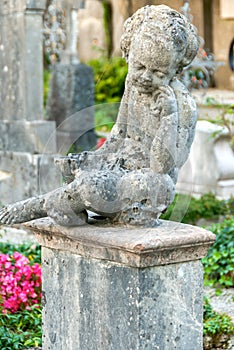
[{"x": 160, "y": 41}]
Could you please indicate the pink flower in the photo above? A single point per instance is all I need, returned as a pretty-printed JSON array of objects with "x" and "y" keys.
[
  {"x": 20, "y": 283},
  {"x": 100, "y": 142}
]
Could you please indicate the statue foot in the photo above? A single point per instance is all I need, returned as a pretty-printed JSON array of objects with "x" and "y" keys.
[
  {"x": 68, "y": 218},
  {"x": 22, "y": 211}
]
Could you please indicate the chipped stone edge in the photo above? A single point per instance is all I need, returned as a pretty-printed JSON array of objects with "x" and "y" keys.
[{"x": 137, "y": 256}]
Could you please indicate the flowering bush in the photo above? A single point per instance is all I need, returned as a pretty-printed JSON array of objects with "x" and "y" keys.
[
  {"x": 20, "y": 283},
  {"x": 199, "y": 73},
  {"x": 100, "y": 142}
]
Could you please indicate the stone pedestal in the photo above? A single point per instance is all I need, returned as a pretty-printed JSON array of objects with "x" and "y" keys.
[
  {"x": 210, "y": 166},
  {"x": 122, "y": 287}
]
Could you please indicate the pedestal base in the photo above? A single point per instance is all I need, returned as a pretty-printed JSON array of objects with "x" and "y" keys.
[{"x": 122, "y": 288}]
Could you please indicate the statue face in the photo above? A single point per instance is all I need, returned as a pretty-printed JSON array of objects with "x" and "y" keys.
[{"x": 151, "y": 64}]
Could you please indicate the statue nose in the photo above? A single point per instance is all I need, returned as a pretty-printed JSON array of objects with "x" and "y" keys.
[{"x": 147, "y": 76}]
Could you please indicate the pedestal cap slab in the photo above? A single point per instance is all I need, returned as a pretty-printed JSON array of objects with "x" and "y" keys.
[
  {"x": 170, "y": 242},
  {"x": 37, "y": 5}
]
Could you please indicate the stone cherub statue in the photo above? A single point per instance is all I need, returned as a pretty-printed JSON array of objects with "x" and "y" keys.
[{"x": 131, "y": 178}]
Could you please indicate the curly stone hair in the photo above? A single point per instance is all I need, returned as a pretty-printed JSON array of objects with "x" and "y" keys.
[{"x": 170, "y": 24}]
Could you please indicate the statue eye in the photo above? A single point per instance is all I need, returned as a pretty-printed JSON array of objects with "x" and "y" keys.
[
  {"x": 140, "y": 66},
  {"x": 160, "y": 74}
]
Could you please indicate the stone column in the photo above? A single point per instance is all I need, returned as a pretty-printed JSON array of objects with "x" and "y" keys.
[
  {"x": 34, "y": 59},
  {"x": 12, "y": 39},
  {"x": 27, "y": 142},
  {"x": 70, "y": 54},
  {"x": 122, "y": 288}
]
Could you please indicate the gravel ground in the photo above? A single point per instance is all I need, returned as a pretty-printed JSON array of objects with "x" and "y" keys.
[
  {"x": 222, "y": 303},
  {"x": 16, "y": 235}
]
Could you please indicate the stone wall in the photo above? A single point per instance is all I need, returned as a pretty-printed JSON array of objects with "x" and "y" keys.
[
  {"x": 91, "y": 41},
  {"x": 223, "y": 33},
  {"x": 209, "y": 23},
  {"x": 91, "y": 31}
]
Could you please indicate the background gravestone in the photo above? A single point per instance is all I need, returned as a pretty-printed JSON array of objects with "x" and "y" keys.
[
  {"x": 27, "y": 141},
  {"x": 71, "y": 95}
]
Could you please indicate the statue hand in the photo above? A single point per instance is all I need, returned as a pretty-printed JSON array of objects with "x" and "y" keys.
[
  {"x": 70, "y": 164},
  {"x": 166, "y": 100}
]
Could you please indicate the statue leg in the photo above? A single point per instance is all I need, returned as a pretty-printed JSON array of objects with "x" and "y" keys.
[
  {"x": 62, "y": 204},
  {"x": 144, "y": 195},
  {"x": 66, "y": 206},
  {"x": 26, "y": 210}
]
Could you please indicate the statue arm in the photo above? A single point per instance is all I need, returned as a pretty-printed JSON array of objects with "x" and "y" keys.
[
  {"x": 163, "y": 153},
  {"x": 187, "y": 118},
  {"x": 119, "y": 130}
]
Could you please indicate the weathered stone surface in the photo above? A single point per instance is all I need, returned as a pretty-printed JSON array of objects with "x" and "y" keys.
[
  {"x": 21, "y": 96},
  {"x": 70, "y": 54},
  {"x": 36, "y": 4},
  {"x": 12, "y": 56},
  {"x": 24, "y": 136},
  {"x": 113, "y": 306},
  {"x": 168, "y": 243},
  {"x": 34, "y": 59},
  {"x": 23, "y": 175},
  {"x": 131, "y": 179},
  {"x": 12, "y": 6},
  {"x": 210, "y": 167},
  {"x": 70, "y": 104},
  {"x": 122, "y": 288}
]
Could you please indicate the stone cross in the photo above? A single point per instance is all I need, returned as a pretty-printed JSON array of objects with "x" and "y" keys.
[{"x": 71, "y": 8}]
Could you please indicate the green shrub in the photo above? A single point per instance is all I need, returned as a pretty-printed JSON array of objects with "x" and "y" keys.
[
  {"x": 21, "y": 330},
  {"x": 189, "y": 210},
  {"x": 109, "y": 78},
  {"x": 46, "y": 80},
  {"x": 217, "y": 328},
  {"x": 219, "y": 262},
  {"x": 105, "y": 116},
  {"x": 215, "y": 322}
]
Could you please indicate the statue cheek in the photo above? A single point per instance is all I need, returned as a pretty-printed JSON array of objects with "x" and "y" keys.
[{"x": 135, "y": 75}]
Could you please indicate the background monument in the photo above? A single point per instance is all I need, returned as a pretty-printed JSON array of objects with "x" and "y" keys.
[
  {"x": 71, "y": 95},
  {"x": 27, "y": 141}
]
